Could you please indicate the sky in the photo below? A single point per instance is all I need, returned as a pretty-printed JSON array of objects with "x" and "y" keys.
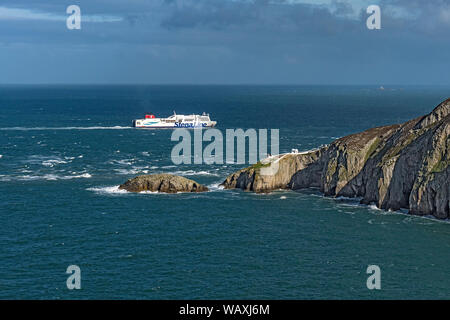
[{"x": 323, "y": 42}]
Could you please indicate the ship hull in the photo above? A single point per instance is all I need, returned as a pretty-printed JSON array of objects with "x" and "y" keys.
[
  {"x": 174, "y": 127},
  {"x": 175, "y": 122}
]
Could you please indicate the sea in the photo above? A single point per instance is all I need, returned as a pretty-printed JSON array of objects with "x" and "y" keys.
[{"x": 64, "y": 150}]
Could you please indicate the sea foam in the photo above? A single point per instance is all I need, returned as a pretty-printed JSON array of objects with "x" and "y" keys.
[
  {"x": 52, "y": 177},
  {"x": 108, "y": 190},
  {"x": 115, "y": 190}
]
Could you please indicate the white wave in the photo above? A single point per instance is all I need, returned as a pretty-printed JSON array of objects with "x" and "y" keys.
[
  {"x": 374, "y": 207},
  {"x": 356, "y": 199},
  {"x": 134, "y": 169},
  {"x": 84, "y": 175},
  {"x": 282, "y": 197},
  {"x": 108, "y": 190},
  {"x": 4, "y": 178},
  {"x": 127, "y": 171},
  {"x": 53, "y": 162},
  {"x": 124, "y": 162},
  {"x": 1, "y": 156},
  {"x": 48, "y": 161},
  {"x": 53, "y": 177},
  {"x": 194, "y": 173},
  {"x": 63, "y": 128},
  {"x": 116, "y": 190},
  {"x": 215, "y": 187}
]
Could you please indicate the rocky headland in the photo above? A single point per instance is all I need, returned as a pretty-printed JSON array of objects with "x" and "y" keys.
[
  {"x": 395, "y": 166},
  {"x": 166, "y": 183}
]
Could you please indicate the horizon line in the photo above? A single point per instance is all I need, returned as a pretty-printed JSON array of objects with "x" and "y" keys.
[{"x": 223, "y": 84}]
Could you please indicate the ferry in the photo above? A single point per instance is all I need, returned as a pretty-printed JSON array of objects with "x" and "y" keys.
[{"x": 175, "y": 121}]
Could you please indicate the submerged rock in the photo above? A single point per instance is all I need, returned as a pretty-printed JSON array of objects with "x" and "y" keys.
[
  {"x": 167, "y": 183},
  {"x": 397, "y": 166}
]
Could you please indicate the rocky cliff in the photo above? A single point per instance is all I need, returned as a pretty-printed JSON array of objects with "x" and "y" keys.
[
  {"x": 396, "y": 166},
  {"x": 167, "y": 183}
]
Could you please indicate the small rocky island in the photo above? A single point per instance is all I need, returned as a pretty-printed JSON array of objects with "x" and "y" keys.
[
  {"x": 396, "y": 166},
  {"x": 167, "y": 183}
]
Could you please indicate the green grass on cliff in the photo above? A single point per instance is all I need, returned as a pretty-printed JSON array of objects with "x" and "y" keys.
[
  {"x": 260, "y": 165},
  {"x": 332, "y": 167},
  {"x": 398, "y": 148},
  {"x": 440, "y": 166},
  {"x": 372, "y": 149}
]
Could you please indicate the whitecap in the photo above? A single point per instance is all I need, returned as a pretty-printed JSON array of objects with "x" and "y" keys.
[
  {"x": 53, "y": 177},
  {"x": 84, "y": 175},
  {"x": 215, "y": 187},
  {"x": 116, "y": 190},
  {"x": 124, "y": 162},
  {"x": 374, "y": 207},
  {"x": 108, "y": 190},
  {"x": 282, "y": 197},
  {"x": 194, "y": 173},
  {"x": 127, "y": 171},
  {"x": 30, "y": 177},
  {"x": 53, "y": 162}
]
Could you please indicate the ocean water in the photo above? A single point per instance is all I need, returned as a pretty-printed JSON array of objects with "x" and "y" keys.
[{"x": 65, "y": 149}]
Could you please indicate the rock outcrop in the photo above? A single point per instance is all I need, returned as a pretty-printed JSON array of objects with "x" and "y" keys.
[
  {"x": 167, "y": 183},
  {"x": 396, "y": 166}
]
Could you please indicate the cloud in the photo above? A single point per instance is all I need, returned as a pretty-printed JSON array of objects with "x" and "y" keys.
[
  {"x": 261, "y": 16},
  {"x": 307, "y": 20},
  {"x": 423, "y": 17},
  {"x": 277, "y": 41}
]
